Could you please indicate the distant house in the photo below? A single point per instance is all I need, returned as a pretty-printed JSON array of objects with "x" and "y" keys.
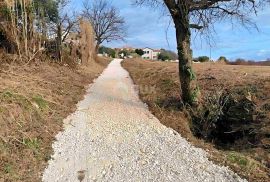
[{"x": 150, "y": 53}]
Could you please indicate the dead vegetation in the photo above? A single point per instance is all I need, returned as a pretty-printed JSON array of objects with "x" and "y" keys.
[
  {"x": 41, "y": 81},
  {"x": 233, "y": 124},
  {"x": 34, "y": 100}
]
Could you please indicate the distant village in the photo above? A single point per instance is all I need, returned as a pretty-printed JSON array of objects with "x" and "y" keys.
[{"x": 146, "y": 53}]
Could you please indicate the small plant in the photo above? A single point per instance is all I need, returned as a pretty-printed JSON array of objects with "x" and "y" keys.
[
  {"x": 7, "y": 168},
  {"x": 238, "y": 159},
  {"x": 7, "y": 94},
  {"x": 195, "y": 94},
  {"x": 42, "y": 104},
  {"x": 33, "y": 144}
]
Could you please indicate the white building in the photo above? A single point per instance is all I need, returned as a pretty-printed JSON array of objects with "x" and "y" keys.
[{"x": 150, "y": 54}]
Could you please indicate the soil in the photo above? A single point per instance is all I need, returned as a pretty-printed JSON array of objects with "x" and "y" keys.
[
  {"x": 34, "y": 100},
  {"x": 159, "y": 87}
]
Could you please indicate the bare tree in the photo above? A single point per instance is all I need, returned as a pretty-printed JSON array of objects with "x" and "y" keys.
[
  {"x": 107, "y": 23},
  {"x": 65, "y": 23},
  {"x": 200, "y": 15}
]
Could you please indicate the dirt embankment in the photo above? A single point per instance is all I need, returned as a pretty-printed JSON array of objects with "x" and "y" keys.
[
  {"x": 159, "y": 87},
  {"x": 34, "y": 100}
]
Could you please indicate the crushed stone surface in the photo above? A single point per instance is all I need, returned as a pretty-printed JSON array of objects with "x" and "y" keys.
[{"x": 113, "y": 137}]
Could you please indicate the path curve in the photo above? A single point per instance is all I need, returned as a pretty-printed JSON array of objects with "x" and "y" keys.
[{"x": 113, "y": 137}]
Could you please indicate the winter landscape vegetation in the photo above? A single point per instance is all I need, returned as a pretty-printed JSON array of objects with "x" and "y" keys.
[{"x": 134, "y": 90}]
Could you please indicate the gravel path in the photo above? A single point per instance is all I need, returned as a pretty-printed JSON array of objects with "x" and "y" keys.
[{"x": 113, "y": 137}]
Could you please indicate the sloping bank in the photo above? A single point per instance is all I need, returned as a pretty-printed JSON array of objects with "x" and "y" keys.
[
  {"x": 34, "y": 100},
  {"x": 158, "y": 84}
]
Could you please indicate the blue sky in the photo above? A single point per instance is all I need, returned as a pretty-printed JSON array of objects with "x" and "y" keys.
[{"x": 147, "y": 28}]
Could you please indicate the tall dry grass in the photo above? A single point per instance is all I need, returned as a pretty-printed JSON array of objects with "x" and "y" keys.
[{"x": 87, "y": 42}]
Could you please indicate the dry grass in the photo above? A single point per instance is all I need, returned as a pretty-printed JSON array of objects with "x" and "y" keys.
[
  {"x": 34, "y": 100},
  {"x": 251, "y": 162}
]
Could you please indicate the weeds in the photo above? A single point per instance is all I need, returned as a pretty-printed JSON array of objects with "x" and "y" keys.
[
  {"x": 236, "y": 158},
  {"x": 244, "y": 162},
  {"x": 8, "y": 168},
  {"x": 33, "y": 144},
  {"x": 42, "y": 104},
  {"x": 7, "y": 94},
  {"x": 10, "y": 96},
  {"x": 167, "y": 83}
]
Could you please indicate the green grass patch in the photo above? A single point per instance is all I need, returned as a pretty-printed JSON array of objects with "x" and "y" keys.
[
  {"x": 33, "y": 144},
  {"x": 9, "y": 96},
  {"x": 238, "y": 159},
  {"x": 8, "y": 168},
  {"x": 42, "y": 103}
]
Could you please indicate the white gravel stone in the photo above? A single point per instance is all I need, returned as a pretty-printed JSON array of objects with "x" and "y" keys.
[{"x": 114, "y": 138}]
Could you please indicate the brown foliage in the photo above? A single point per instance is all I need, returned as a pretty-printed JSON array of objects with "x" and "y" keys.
[{"x": 87, "y": 42}]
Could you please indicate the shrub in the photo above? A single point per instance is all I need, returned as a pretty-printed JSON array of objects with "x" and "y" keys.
[
  {"x": 163, "y": 57},
  {"x": 124, "y": 52},
  {"x": 167, "y": 55},
  {"x": 223, "y": 59},
  {"x": 203, "y": 59},
  {"x": 139, "y": 52},
  {"x": 241, "y": 61},
  {"x": 111, "y": 52},
  {"x": 225, "y": 118}
]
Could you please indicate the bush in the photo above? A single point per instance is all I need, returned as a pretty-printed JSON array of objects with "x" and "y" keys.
[
  {"x": 163, "y": 57},
  {"x": 225, "y": 118},
  {"x": 167, "y": 55},
  {"x": 111, "y": 52},
  {"x": 241, "y": 61},
  {"x": 223, "y": 59},
  {"x": 124, "y": 52},
  {"x": 203, "y": 59},
  {"x": 139, "y": 52}
]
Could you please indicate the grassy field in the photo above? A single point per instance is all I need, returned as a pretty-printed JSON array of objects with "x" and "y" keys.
[
  {"x": 159, "y": 87},
  {"x": 34, "y": 100}
]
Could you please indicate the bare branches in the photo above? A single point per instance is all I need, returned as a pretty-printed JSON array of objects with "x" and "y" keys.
[
  {"x": 200, "y": 15},
  {"x": 108, "y": 24},
  {"x": 204, "y": 13}
]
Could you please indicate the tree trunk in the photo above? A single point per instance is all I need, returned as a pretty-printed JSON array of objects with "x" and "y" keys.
[
  {"x": 59, "y": 42},
  {"x": 25, "y": 25},
  {"x": 190, "y": 90},
  {"x": 96, "y": 48}
]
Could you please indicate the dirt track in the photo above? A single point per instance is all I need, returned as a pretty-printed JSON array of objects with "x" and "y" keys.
[{"x": 113, "y": 137}]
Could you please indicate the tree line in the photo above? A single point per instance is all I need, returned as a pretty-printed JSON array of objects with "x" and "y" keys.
[{"x": 28, "y": 27}]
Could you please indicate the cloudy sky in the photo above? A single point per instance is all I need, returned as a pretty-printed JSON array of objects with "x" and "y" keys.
[{"x": 148, "y": 28}]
